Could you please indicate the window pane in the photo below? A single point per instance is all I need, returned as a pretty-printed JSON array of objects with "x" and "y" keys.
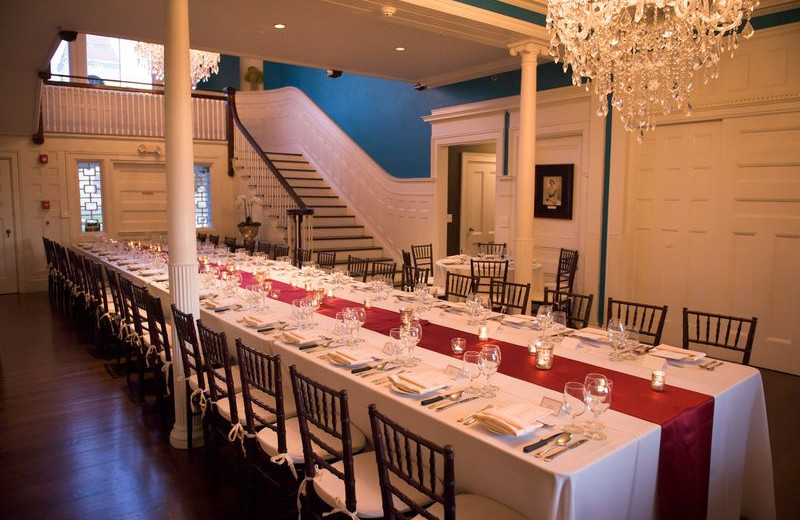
[
  {"x": 59, "y": 64},
  {"x": 90, "y": 193},
  {"x": 202, "y": 196},
  {"x": 114, "y": 60}
]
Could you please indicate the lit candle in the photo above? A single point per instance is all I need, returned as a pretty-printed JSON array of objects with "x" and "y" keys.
[
  {"x": 658, "y": 380},
  {"x": 458, "y": 344},
  {"x": 483, "y": 333},
  {"x": 329, "y": 294},
  {"x": 367, "y": 303},
  {"x": 544, "y": 356},
  {"x": 532, "y": 345}
]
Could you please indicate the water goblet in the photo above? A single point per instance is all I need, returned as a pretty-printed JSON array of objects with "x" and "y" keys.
[
  {"x": 631, "y": 344},
  {"x": 544, "y": 315},
  {"x": 597, "y": 396},
  {"x": 471, "y": 367},
  {"x": 616, "y": 336},
  {"x": 574, "y": 404},
  {"x": 412, "y": 334},
  {"x": 559, "y": 322},
  {"x": 398, "y": 347},
  {"x": 490, "y": 361}
]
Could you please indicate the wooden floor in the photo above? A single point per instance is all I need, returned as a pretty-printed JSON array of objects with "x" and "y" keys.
[{"x": 75, "y": 444}]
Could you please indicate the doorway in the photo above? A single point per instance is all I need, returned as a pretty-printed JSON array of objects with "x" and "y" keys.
[
  {"x": 8, "y": 249},
  {"x": 470, "y": 196}
]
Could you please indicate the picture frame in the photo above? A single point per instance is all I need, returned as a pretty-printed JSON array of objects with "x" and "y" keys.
[{"x": 553, "y": 191}]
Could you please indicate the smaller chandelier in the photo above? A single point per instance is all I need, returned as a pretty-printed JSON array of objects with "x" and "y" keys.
[
  {"x": 645, "y": 54},
  {"x": 203, "y": 64}
]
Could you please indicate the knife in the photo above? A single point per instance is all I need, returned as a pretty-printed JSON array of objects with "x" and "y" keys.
[
  {"x": 362, "y": 369},
  {"x": 565, "y": 448},
  {"x": 426, "y": 402},
  {"x": 541, "y": 442},
  {"x": 448, "y": 405}
]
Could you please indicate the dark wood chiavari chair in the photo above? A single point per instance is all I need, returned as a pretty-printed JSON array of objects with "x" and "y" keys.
[
  {"x": 423, "y": 255},
  {"x": 411, "y": 276},
  {"x": 326, "y": 260},
  {"x": 490, "y": 248},
  {"x": 384, "y": 269},
  {"x": 567, "y": 267},
  {"x": 578, "y": 307},
  {"x": 214, "y": 239},
  {"x": 718, "y": 331},
  {"x": 509, "y": 297},
  {"x": 488, "y": 270},
  {"x": 459, "y": 286},
  {"x": 250, "y": 246},
  {"x": 279, "y": 251},
  {"x": 647, "y": 320},
  {"x": 264, "y": 247},
  {"x": 358, "y": 268},
  {"x": 301, "y": 256},
  {"x": 193, "y": 376}
]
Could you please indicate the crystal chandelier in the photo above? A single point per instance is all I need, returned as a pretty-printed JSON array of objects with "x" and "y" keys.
[
  {"x": 203, "y": 64},
  {"x": 645, "y": 53}
]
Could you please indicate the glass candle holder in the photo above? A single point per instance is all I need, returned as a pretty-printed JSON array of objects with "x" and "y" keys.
[
  {"x": 367, "y": 303},
  {"x": 658, "y": 380},
  {"x": 329, "y": 293},
  {"x": 532, "y": 347},
  {"x": 458, "y": 345},
  {"x": 405, "y": 316},
  {"x": 544, "y": 356},
  {"x": 483, "y": 333}
]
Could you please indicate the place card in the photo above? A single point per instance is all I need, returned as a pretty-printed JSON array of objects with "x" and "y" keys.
[
  {"x": 551, "y": 404},
  {"x": 452, "y": 371},
  {"x": 570, "y": 344}
]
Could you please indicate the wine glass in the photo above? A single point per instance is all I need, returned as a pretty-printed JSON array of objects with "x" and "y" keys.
[
  {"x": 398, "y": 347},
  {"x": 474, "y": 305},
  {"x": 631, "y": 344},
  {"x": 559, "y": 322},
  {"x": 544, "y": 315},
  {"x": 616, "y": 335},
  {"x": 412, "y": 334},
  {"x": 574, "y": 404},
  {"x": 490, "y": 362},
  {"x": 471, "y": 367},
  {"x": 361, "y": 316},
  {"x": 597, "y": 396}
]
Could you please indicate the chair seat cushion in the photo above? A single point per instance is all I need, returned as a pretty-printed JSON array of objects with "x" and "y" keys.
[
  {"x": 329, "y": 487},
  {"x": 237, "y": 379},
  {"x": 268, "y": 440},
  {"x": 475, "y": 507},
  {"x": 224, "y": 408}
]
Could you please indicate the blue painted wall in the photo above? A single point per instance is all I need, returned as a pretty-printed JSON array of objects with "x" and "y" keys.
[
  {"x": 228, "y": 75},
  {"x": 385, "y": 117}
]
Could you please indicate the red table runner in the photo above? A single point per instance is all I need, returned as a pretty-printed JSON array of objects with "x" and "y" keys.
[{"x": 686, "y": 417}]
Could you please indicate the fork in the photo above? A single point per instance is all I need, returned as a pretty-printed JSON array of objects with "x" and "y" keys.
[{"x": 711, "y": 365}]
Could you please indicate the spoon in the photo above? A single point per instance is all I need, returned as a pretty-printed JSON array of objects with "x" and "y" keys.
[
  {"x": 455, "y": 396},
  {"x": 561, "y": 440}
]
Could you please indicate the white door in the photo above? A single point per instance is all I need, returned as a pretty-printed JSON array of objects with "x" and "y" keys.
[
  {"x": 478, "y": 181},
  {"x": 8, "y": 250}
]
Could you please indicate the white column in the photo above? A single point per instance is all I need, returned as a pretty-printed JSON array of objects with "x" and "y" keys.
[
  {"x": 180, "y": 194},
  {"x": 526, "y": 165}
]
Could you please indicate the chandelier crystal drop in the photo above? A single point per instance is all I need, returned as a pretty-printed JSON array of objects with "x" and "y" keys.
[
  {"x": 202, "y": 64},
  {"x": 645, "y": 54}
]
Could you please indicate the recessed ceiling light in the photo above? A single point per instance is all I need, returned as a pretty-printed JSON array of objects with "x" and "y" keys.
[
  {"x": 280, "y": 26},
  {"x": 400, "y": 49}
]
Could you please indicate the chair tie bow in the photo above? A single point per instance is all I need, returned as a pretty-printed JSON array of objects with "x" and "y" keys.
[{"x": 280, "y": 459}]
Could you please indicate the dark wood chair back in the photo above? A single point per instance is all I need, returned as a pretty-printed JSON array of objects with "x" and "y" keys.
[
  {"x": 261, "y": 376},
  {"x": 126, "y": 292},
  {"x": 100, "y": 284},
  {"x": 383, "y": 268},
  {"x": 423, "y": 255},
  {"x": 509, "y": 297},
  {"x": 188, "y": 345},
  {"x": 159, "y": 334},
  {"x": 201, "y": 237},
  {"x": 217, "y": 366},
  {"x": 279, "y": 250},
  {"x": 459, "y": 286},
  {"x": 327, "y": 410},
  {"x": 490, "y": 248},
  {"x": 116, "y": 294},
  {"x": 406, "y": 258},
  {"x": 139, "y": 313},
  {"x": 263, "y": 247},
  {"x": 719, "y": 331},
  {"x": 326, "y": 260},
  {"x": 301, "y": 255},
  {"x": 577, "y": 306},
  {"x": 214, "y": 239},
  {"x": 358, "y": 267},
  {"x": 250, "y": 246},
  {"x": 402, "y": 455},
  {"x": 648, "y": 320},
  {"x": 411, "y": 276},
  {"x": 488, "y": 270},
  {"x": 567, "y": 267}
]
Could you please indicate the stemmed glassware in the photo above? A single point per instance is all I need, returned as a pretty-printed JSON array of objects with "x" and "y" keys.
[
  {"x": 544, "y": 315},
  {"x": 398, "y": 347},
  {"x": 471, "y": 367},
  {"x": 412, "y": 334},
  {"x": 631, "y": 344},
  {"x": 616, "y": 336},
  {"x": 559, "y": 322},
  {"x": 574, "y": 404},
  {"x": 489, "y": 362},
  {"x": 474, "y": 305},
  {"x": 597, "y": 396},
  {"x": 352, "y": 324}
]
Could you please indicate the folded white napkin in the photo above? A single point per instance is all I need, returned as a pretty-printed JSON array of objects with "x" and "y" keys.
[
  {"x": 420, "y": 381},
  {"x": 123, "y": 261},
  {"x": 206, "y": 293},
  {"x": 520, "y": 320},
  {"x": 255, "y": 322},
  {"x": 219, "y": 304},
  {"x": 676, "y": 354},
  {"x": 149, "y": 272},
  {"x": 515, "y": 419},
  {"x": 594, "y": 335},
  {"x": 161, "y": 278},
  {"x": 352, "y": 356},
  {"x": 299, "y": 339}
]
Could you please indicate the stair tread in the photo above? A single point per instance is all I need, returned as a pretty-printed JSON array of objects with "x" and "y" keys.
[
  {"x": 344, "y": 226},
  {"x": 345, "y": 237}
]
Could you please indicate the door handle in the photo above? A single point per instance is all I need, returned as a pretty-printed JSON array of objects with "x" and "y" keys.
[
  {"x": 471, "y": 230},
  {"x": 8, "y": 233}
]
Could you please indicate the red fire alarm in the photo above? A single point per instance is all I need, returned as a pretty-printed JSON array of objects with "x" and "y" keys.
[
  {"x": 45, "y": 204},
  {"x": 43, "y": 158}
]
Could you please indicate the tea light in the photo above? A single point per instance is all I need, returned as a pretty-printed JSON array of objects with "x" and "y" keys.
[
  {"x": 532, "y": 346},
  {"x": 544, "y": 356},
  {"x": 483, "y": 333},
  {"x": 405, "y": 316},
  {"x": 367, "y": 303},
  {"x": 458, "y": 345},
  {"x": 308, "y": 287},
  {"x": 658, "y": 379},
  {"x": 329, "y": 293}
]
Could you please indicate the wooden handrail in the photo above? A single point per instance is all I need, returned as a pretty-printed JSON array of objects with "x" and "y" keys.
[
  {"x": 303, "y": 208},
  {"x": 157, "y": 91}
]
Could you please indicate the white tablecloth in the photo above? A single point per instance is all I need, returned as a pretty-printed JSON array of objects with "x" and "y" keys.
[{"x": 610, "y": 479}]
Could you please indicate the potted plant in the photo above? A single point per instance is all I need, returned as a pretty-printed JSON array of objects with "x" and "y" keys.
[
  {"x": 254, "y": 77},
  {"x": 248, "y": 228}
]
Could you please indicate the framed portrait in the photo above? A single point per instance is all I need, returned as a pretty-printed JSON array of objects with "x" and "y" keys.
[{"x": 553, "y": 191}]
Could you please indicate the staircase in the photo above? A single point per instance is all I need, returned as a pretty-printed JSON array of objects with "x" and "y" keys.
[{"x": 335, "y": 229}]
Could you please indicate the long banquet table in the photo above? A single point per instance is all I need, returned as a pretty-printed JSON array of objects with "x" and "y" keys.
[{"x": 698, "y": 450}]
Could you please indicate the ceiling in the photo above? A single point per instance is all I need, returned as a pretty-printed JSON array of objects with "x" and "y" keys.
[{"x": 445, "y": 40}]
